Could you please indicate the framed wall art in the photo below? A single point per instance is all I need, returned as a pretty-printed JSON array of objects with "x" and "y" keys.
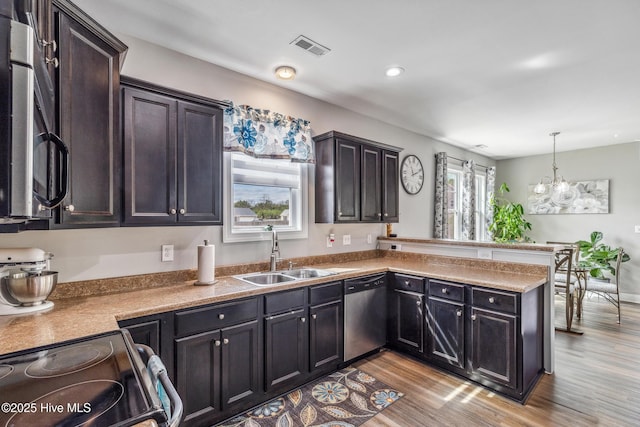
[{"x": 583, "y": 197}]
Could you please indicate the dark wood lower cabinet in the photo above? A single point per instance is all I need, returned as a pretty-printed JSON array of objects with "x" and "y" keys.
[
  {"x": 286, "y": 349},
  {"x": 446, "y": 321},
  {"x": 240, "y": 364},
  {"x": 496, "y": 362},
  {"x": 325, "y": 336},
  {"x": 408, "y": 321},
  {"x": 217, "y": 371},
  {"x": 198, "y": 376}
]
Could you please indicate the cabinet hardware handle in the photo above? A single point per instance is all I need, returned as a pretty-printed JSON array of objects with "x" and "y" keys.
[
  {"x": 182, "y": 211},
  {"x": 379, "y": 215},
  {"x": 340, "y": 213},
  {"x": 459, "y": 313},
  {"x": 53, "y": 61},
  {"x": 492, "y": 300},
  {"x": 221, "y": 316},
  {"x": 225, "y": 341},
  {"x": 444, "y": 290},
  {"x": 473, "y": 317},
  {"x": 69, "y": 208},
  {"x": 302, "y": 319},
  {"x": 217, "y": 342},
  {"x": 418, "y": 302},
  {"x": 172, "y": 211},
  {"x": 314, "y": 316},
  {"x": 386, "y": 214},
  {"x": 407, "y": 283},
  {"x": 52, "y": 43}
]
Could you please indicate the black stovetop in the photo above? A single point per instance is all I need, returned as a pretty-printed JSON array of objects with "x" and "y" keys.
[{"x": 95, "y": 381}]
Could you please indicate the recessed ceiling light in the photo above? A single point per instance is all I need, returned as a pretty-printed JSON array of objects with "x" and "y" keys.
[
  {"x": 285, "y": 72},
  {"x": 394, "y": 71}
]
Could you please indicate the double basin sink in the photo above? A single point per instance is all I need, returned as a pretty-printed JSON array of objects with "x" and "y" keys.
[{"x": 277, "y": 277}]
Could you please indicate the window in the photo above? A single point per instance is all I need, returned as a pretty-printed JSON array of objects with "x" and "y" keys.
[
  {"x": 454, "y": 198},
  {"x": 261, "y": 192}
]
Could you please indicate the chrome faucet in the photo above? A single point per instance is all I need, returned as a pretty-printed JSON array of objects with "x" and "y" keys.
[{"x": 275, "y": 249}]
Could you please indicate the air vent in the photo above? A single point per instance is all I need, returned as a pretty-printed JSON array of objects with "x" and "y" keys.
[{"x": 310, "y": 46}]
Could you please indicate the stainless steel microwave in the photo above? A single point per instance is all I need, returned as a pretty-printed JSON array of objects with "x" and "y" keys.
[{"x": 33, "y": 160}]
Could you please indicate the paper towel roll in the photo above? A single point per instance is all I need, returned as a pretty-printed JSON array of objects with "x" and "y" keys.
[{"x": 206, "y": 264}]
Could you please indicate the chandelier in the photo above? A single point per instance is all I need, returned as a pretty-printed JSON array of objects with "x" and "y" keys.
[{"x": 557, "y": 186}]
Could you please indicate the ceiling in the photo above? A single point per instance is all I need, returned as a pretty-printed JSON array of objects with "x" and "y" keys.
[{"x": 496, "y": 73}]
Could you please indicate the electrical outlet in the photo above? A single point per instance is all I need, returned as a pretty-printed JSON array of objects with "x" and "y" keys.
[
  {"x": 369, "y": 239},
  {"x": 167, "y": 253},
  {"x": 346, "y": 239}
]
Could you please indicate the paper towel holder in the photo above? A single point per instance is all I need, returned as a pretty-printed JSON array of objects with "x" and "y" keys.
[{"x": 200, "y": 282}]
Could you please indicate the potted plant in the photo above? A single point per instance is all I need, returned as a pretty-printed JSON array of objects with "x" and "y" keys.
[
  {"x": 509, "y": 224},
  {"x": 598, "y": 257}
]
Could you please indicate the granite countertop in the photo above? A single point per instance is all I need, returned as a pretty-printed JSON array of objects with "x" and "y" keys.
[{"x": 76, "y": 317}]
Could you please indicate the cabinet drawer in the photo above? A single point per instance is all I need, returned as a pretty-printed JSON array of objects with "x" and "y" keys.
[
  {"x": 284, "y": 301},
  {"x": 495, "y": 300},
  {"x": 409, "y": 283},
  {"x": 325, "y": 293},
  {"x": 215, "y": 317},
  {"x": 446, "y": 290}
]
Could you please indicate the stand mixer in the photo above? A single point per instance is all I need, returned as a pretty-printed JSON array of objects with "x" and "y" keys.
[{"x": 25, "y": 280}]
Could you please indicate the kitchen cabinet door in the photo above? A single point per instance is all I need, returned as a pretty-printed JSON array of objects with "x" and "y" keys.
[
  {"x": 347, "y": 181},
  {"x": 371, "y": 184},
  {"x": 286, "y": 349},
  {"x": 150, "y": 144},
  {"x": 88, "y": 109},
  {"x": 445, "y": 320},
  {"x": 240, "y": 363},
  {"x": 198, "y": 376},
  {"x": 390, "y": 187},
  {"x": 494, "y": 347},
  {"x": 325, "y": 336},
  {"x": 408, "y": 321},
  {"x": 199, "y": 163}
]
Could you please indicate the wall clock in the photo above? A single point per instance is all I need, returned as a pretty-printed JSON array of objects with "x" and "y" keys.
[{"x": 411, "y": 174}]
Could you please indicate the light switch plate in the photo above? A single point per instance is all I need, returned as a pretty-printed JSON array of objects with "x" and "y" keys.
[{"x": 346, "y": 239}]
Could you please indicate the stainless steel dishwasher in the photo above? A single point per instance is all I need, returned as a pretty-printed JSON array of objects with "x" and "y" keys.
[{"x": 365, "y": 315}]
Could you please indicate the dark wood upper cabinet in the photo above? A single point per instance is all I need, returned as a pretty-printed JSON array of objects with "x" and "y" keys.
[
  {"x": 87, "y": 81},
  {"x": 356, "y": 179},
  {"x": 172, "y": 158}
]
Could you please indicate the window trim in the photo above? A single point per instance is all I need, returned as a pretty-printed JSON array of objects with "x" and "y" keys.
[{"x": 228, "y": 236}]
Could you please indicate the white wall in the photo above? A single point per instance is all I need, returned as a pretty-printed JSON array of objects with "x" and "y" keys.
[
  {"x": 620, "y": 164},
  {"x": 99, "y": 253}
]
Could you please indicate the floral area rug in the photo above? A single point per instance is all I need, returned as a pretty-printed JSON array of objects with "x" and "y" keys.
[{"x": 343, "y": 399}]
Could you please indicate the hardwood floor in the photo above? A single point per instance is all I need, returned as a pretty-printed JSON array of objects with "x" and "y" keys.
[{"x": 596, "y": 382}]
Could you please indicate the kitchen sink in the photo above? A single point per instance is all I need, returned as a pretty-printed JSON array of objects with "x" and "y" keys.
[
  {"x": 307, "y": 273},
  {"x": 277, "y": 277},
  {"x": 266, "y": 279}
]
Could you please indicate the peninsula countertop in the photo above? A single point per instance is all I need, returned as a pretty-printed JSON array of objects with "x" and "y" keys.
[{"x": 76, "y": 317}]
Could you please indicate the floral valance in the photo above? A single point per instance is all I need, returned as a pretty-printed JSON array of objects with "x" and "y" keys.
[{"x": 263, "y": 133}]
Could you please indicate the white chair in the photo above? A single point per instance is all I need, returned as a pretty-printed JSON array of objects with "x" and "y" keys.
[{"x": 609, "y": 290}]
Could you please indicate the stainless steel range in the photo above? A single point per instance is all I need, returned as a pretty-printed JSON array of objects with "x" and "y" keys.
[{"x": 100, "y": 380}]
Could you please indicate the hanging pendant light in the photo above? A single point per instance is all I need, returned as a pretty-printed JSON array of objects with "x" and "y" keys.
[{"x": 557, "y": 186}]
